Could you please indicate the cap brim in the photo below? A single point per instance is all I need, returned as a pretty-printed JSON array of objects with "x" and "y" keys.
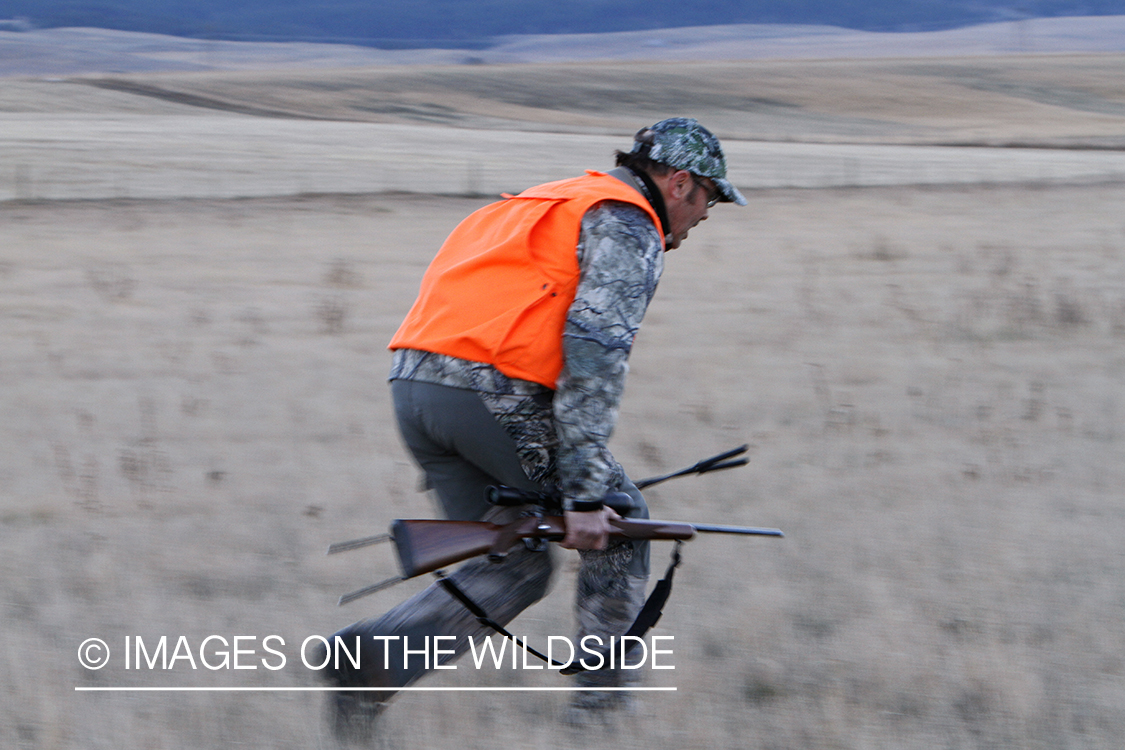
[{"x": 729, "y": 192}]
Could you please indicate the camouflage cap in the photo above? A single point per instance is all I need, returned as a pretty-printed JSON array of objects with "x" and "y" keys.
[{"x": 682, "y": 143}]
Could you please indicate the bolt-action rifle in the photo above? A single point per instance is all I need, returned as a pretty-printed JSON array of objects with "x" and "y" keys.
[{"x": 427, "y": 546}]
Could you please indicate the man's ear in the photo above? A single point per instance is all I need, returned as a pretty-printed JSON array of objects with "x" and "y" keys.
[{"x": 679, "y": 184}]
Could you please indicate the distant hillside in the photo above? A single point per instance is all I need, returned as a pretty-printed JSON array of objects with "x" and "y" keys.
[
  {"x": 476, "y": 23},
  {"x": 82, "y": 51}
]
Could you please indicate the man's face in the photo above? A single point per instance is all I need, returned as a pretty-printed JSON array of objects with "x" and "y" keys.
[{"x": 688, "y": 199}]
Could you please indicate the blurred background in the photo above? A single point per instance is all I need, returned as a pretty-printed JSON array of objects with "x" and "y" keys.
[{"x": 212, "y": 219}]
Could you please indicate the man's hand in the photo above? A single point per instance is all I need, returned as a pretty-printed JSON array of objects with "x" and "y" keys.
[{"x": 588, "y": 530}]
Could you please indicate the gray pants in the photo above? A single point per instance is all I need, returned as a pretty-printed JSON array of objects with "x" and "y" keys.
[{"x": 462, "y": 450}]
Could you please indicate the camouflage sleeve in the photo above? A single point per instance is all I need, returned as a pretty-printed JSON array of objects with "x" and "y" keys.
[{"x": 621, "y": 258}]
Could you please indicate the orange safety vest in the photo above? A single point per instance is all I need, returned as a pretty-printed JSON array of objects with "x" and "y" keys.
[{"x": 499, "y": 289}]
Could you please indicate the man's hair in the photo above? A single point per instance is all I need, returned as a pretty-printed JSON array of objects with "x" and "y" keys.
[{"x": 636, "y": 161}]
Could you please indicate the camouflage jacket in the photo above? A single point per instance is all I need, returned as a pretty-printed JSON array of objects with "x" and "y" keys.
[{"x": 561, "y": 436}]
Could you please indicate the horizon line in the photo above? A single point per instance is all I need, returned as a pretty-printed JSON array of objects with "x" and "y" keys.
[{"x": 367, "y": 689}]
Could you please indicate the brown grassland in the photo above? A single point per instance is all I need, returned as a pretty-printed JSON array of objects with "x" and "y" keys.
[{"x": 930, "y": 378}]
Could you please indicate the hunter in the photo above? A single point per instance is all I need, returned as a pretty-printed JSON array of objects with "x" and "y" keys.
[{"x": 509, "y": 369}]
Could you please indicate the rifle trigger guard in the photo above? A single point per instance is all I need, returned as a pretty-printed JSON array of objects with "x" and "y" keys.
[{"x": 536, "y": 544}]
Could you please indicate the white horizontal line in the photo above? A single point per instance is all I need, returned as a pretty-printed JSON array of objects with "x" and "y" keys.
[{"x": 364, "y": 689}]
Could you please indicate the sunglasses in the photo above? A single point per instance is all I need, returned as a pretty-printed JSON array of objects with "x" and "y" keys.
[{"x": 711, "y": 191}]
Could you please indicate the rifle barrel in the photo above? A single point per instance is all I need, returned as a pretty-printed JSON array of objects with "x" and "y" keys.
[{"x": 704, "y": 528}]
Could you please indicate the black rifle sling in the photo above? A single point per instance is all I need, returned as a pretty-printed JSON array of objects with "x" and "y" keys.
[
  {"x": 482, "y": 617},
  {"x": 648, "y": 616}
]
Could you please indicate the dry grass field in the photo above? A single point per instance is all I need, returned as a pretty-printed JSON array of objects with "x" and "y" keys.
[{"x": 930, "y": 378}]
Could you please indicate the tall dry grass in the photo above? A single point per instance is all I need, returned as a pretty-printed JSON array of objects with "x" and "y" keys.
[{"x": 929, "y": 379}]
